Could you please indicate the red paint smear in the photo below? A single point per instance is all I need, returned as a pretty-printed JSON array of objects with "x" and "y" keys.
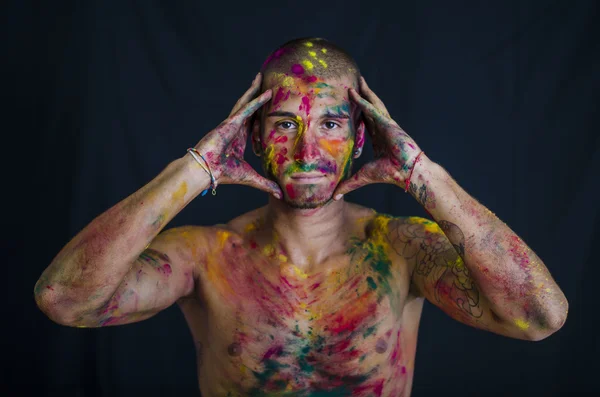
[
  {"x": 50, "y": 288},
  {"x": 377, "y": 388},
  {"x": 290, "y": 190},
  {"x": 278, "y": 97},
  {"x": 274, "y": 56},
  {"x": 306, "y": 103},
  {"x": 349, "y": 320},
  {"x": 396, "y": 353},
  {"x": 253, "y": 244},
  {"x": 281, "y": 139},
  {"x": 339, "y": 347},
  {"x": 280, "y": 158},
  {"x": 314, "y": 286},
  {"x": 310, "y": 79},
  {"x": 403, "y": 369},
  {"x": 165, "y": 269},
  {"x": 275, "y": 350},
  {"x": 297, "y": 69}
]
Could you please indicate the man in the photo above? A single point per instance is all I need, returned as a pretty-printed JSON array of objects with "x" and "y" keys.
[{"x": 309, "y": 295}]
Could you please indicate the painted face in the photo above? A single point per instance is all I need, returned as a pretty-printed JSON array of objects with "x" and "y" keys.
[{"x": 308, "y": 135}]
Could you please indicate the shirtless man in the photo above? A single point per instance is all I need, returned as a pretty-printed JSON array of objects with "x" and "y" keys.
[{"x": 309, "y": 295}]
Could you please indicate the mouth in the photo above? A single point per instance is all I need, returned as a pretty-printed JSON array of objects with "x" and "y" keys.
[{"x": 309, "y": 177}]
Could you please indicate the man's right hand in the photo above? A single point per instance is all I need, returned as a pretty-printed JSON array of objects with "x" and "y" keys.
[{"x": 223, "y": 148}]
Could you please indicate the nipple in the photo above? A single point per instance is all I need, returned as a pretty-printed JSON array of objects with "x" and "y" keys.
[
  {"x": 234, "y": 350},
  {"x": 381, "y": 346}
]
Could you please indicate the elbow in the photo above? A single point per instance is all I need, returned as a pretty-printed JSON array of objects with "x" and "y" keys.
[
  {"x": 58, "y": 307},
  {"x": 551, "y": 323}
]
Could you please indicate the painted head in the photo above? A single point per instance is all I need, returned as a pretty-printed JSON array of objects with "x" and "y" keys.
[{"x": 309, "y": 133}]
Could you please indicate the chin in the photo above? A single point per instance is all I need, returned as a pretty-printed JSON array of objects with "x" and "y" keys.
[
  {"x": 306, "y": 205},
  {"x": 308, "y": 201}
]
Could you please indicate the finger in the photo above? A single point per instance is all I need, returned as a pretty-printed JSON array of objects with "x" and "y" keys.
[
  {"x": 371, "y": 96},
  {"x": 367, "y": 107},
  {"x": 248, "y": 95},
  {"x": 364, "y": 176},
  {"x": 249, "y": 109},
  {"x": 254, "y": 179},
  {"x": 231, "y": 127}
]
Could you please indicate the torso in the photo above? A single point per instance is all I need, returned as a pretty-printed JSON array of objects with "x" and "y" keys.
[{"x": 263, "y": 327}]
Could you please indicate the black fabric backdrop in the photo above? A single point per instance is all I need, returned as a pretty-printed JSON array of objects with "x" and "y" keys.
[{"x": 101, "y": 95}]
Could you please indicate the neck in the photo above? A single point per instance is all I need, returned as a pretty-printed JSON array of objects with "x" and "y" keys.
[{"x": 308, "y": 236}]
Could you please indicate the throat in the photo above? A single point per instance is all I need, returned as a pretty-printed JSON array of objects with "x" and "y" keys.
[{"x": 308, "y": 238}]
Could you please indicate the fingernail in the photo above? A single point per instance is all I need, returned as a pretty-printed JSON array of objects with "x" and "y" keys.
[
  {"x": 277, "y": 196},
  {"x": 337, "y": 197}
]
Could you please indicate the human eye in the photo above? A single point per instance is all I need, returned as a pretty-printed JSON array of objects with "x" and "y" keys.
[
  {"x": 286, "y": 125},
  {"x": 330, "y": 125}
]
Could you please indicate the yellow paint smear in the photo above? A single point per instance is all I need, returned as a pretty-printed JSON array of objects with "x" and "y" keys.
[
  {"x": 308, "y": 44},
  {"x": 282, "y": 258},
  {"x": 269, "y": 250},
  {"x": 324, "y": 50},
  {"x": 269, "y": 158},
  {"x": 250, "y": 227},
  {"x": 180, "y": 192},
  {"x": 283, "y": 79},
  {"x": 299, "y": 272},
  {"x": 214, "y": 273},
  {"x": 522, "y": 324},
  {"x": 323, "y": 63},
  {"x": 301, "y": 129},
  {"x": 308, "y": 64},
  {"x": 312, "y": 54},
  {"x": 222, "y": 237}
]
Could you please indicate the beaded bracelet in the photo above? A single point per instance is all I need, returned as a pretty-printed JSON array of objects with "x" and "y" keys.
[{"x": 213, "y": 183}]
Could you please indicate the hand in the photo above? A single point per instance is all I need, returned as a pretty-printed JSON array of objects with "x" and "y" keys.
[
  {"x": 223, "y": 148},
  {"x": 395, "y": 151}
]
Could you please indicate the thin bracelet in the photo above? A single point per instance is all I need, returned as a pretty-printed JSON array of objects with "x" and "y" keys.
[
  {"x": 411, "y": 171},
  {"x": 195, "y": 153}
]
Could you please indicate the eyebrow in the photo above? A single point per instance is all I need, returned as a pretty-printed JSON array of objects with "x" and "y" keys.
[{"x": 328, "y": 114}]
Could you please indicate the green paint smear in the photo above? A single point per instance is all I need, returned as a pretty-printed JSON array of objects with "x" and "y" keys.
[
  {"x": 371, "y": 283},
  {"x": 369, "y": 331}
]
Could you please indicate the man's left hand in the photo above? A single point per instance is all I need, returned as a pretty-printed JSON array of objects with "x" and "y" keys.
[{"x": 395, "y": 151}]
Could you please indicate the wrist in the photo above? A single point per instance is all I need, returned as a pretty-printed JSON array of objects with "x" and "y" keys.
[
  {"x": 197, "y": 178},
  {"x": 422, "y": 170}
]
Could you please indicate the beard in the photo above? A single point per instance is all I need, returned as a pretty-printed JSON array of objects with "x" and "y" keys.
[
  {"x": 311, "y": 196},
  {"x": 310, "y": 202}
]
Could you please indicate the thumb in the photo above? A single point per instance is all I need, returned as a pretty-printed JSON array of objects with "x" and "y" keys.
[
  {"x": 254, "y": 179},
  {"x": 364, "y": 176}
]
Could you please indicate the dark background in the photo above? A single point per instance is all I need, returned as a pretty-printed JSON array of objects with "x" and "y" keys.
[{"x": 100, "y": 96}]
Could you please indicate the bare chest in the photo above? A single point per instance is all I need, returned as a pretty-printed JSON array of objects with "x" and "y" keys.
[{"x": 273, "y": 329}]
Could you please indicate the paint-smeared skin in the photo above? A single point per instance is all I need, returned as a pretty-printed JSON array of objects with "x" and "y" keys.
[{"x": 333, "y": 332}]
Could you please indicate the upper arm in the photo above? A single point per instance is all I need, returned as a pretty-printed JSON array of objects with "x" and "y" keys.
[
  {"x": 438, "y": 273},
  {"x": 163, "y": 273}
]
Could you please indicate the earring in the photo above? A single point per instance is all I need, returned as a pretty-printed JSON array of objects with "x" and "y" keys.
[{"x": 357, "y": 152}]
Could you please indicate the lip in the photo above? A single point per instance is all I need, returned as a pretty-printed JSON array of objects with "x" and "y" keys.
[{"x": 307, "y": 176}]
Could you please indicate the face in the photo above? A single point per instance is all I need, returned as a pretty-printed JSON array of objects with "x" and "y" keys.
[{"x": 307, "y": 136}]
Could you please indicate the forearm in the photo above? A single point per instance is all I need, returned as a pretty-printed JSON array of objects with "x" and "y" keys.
[
  {"x": 507, "y": 272},
  {"x": 101, "y": 254}
]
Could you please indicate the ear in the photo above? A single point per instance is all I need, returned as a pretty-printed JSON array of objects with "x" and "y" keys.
[
  {"x": 256, "y": 140},
  {"x": 359, "y": 139}
]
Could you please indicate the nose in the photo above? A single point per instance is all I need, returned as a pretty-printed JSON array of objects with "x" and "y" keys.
[{"x": 306, "y": 149}]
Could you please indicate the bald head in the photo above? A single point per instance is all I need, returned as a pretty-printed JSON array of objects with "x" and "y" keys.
[{"x": 310, "y": 58}]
